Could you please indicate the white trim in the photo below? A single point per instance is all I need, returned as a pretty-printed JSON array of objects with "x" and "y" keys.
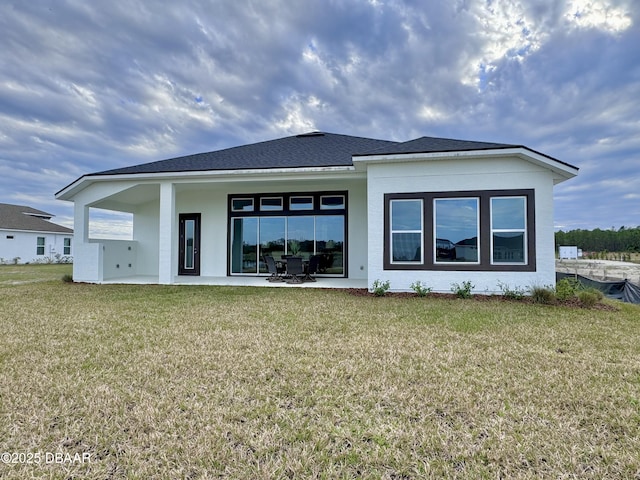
[
  {"x": 565, "y": 170},
  {"x": 204, "y": 176}
]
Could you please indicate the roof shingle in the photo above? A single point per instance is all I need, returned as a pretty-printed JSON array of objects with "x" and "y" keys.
[{"x": 315, "y": 149}]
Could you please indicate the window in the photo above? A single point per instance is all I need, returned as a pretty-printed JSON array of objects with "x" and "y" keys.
[
  {"x": 270, "y": 204},
  {"x": 242, "y": 205},
  {"x": 406, "y": 231},
  {"x": 301, "y": 203},
  {"x": 474, "y": 230},
  {"x": 40, "y": 246},
  {"x": 67, "y": 247},
  {"x": 508, "y": 230},
  {"x": 456, "y": 226},
  {"x": 301, "y": 223},
  {"x": 331, "y": 202}
]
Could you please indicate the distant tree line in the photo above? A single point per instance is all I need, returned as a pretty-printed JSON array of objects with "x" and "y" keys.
[{"x": 622, "y": 240}]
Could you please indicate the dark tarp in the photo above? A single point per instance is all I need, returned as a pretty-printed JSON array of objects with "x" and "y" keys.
[{"x": 623, "y": 290}]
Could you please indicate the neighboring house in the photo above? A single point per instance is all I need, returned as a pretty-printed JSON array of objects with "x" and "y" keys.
[
  {"x": 374, "y": 209},
  {"x": 27, "y": 235}
]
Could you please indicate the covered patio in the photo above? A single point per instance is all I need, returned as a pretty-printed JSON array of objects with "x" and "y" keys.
[{"x": 244, "y": 281}]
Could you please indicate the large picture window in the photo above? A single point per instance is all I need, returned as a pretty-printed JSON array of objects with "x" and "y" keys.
[
  {"x": 457, "y": 230},
  {"x": 302, "y": 224},
  {"x": 474, "y": 230}
]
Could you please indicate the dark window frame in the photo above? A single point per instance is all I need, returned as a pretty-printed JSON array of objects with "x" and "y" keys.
[
  {"x": 288, "y": 212},
  {"x": 485, "y": 252}
]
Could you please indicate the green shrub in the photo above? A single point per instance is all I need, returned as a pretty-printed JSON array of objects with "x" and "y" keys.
[
  {"x": 515, "y": 293},
  {"x": 544, "y": 295},
  {"x": 590, "y": 297},
  {"x": 420, "y": 289},
  {"x": 464, "y": 290},
  {"x": 567, "y": 288},
  {"x": 66, "y": 278},
  {"x": 380, "y": 288}
]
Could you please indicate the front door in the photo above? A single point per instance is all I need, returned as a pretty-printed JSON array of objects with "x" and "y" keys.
[{"x": 189, "y": 244}]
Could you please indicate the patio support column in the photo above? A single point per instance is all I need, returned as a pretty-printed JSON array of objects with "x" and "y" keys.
[
  {"x": 167, "y": 228},
  {"x": 81, "y": 223}
]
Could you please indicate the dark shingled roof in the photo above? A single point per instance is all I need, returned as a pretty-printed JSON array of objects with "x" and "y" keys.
[
  {"x": 315, "y": 149},
  {"x": 19, "y": 217},
  {"x": 433, "y": 145}
]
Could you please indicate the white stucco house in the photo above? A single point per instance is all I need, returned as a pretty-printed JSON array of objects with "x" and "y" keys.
[
  {"x": 436, "y": 210},
  {"x": 27, "y": 235}
]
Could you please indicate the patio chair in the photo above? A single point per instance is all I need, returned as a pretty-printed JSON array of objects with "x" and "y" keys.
[
  {"x": 312, "y": 269},
  {"x": 294, "y": 268},
  {"x": 273, "y": 269}
]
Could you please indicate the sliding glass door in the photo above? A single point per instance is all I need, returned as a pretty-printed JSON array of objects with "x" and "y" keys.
[{"x": 304, "y": 236}]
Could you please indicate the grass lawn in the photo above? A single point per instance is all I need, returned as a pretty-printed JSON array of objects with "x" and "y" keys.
[{"x": 209, "y": 382}]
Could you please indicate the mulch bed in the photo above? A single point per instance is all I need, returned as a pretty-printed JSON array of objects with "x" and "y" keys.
[{"x": 571, "y": 303}]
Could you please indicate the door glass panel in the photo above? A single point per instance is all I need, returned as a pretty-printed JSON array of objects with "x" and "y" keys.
[
  {"x": 272, "y": 235},
  {"x": 300, "y": 236},
  {"x": 189, "y": 236},
  {"x": 244, "y": 245},
  {"x": 456, "y": 230},
  {"x": 330, "y": 243}
]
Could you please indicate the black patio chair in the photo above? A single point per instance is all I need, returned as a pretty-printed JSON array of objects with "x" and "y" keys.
[
  {"x": 294, "y": 269},
  {"x": 312, "y": 268},
  {"x": 273, "y": 269}
]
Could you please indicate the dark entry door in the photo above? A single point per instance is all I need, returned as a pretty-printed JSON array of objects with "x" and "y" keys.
[{"x": 189, "y": 244}]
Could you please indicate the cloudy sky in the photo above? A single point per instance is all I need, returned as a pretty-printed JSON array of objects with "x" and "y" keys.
[{"x": 88, "y": 86}]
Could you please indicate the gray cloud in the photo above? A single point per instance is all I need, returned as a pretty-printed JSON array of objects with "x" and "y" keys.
[{"x": 86, "y": 86}]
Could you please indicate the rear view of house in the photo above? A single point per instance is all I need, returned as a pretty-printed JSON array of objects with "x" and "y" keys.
[
  {"x": 27, "y": 236},
  {"x": 435, "y": 210}
]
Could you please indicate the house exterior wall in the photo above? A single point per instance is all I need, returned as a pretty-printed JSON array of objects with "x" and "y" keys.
[
  {"x": 23, "y": 246},
  {"x": 461, "y": 175},
  {"x": 210, "y": 200},
  {"x": 88, "y": 263},
  {"x": 145, "y": 232},
  {"x": 155, "y": 224},
  {"x": 119, "y": 258}
]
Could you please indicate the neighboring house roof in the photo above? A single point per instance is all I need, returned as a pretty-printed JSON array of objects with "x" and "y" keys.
[{"x": 19, "y": 217}]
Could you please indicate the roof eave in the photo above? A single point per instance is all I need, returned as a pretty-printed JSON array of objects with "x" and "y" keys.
[
  {"x": 564, "y": 170},
  {"x": 68, "y": 192}
]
